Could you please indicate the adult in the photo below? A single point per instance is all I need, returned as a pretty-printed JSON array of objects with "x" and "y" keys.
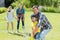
[
  {"x": 43, "y": 23},
  {"x": 20, "y": 15}
]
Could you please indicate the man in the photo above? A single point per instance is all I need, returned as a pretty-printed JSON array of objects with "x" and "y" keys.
[
  {"x": 43, "y": 23},
  {"x": 20, "y": 15}
]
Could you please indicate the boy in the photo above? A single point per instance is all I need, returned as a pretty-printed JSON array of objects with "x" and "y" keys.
[{"x": 35, "y": 35}]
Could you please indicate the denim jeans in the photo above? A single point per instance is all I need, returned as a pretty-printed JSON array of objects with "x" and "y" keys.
[
  {"x": 18, "y": 22},
  {"x": 43, "y": 34}
]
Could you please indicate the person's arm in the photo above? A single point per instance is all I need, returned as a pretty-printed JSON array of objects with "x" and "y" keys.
[
  {"x": 23, "y": 10},
  {"x": 47, "y": 22},
  {"x": 16, "y": 12}
]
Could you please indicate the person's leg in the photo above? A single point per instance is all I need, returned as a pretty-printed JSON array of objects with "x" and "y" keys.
[
  {"x": 12, "y": 26},
  {"x": 38, "y": 36},
  {"x": 22, "y": 20},
  {"x": 44, "y": 33},
  {"x": 37, "y": 39},
  {"x": 18, "y": 22},
  {"x": 7, "y": 26}
]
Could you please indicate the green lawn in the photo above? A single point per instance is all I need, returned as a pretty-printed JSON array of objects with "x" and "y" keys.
[{"x": 54, "y": 34}]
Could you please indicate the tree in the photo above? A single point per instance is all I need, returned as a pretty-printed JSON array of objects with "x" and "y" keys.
[{"x": 8, "y": 2}]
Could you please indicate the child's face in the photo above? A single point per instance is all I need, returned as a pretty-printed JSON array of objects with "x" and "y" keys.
[{"x": 34, "y": 19}]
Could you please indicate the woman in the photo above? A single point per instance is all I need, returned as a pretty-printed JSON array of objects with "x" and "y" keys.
[
  {"x": 10, "y": 18},
  {"x": 20, "y": 15}
]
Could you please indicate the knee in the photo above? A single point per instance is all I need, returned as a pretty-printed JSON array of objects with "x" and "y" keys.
[{"x": 42, "y": 36}]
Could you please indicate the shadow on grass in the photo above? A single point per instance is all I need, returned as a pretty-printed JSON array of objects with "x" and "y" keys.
[
  {"x": 18, "y": 34},
  {"x": 27, "y": 34}
]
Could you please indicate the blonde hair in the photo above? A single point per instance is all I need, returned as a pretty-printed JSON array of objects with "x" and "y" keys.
[{"x": 19, "y": 5}]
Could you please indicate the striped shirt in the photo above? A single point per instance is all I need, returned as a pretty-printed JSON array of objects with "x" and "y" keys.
[{"x": 43, "y": 21}]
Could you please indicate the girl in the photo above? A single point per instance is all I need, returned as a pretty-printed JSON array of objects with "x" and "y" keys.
[{"x": 10, "y": 17}]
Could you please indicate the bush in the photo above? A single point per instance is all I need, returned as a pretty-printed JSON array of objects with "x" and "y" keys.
[
  {"x": 50, "y": 9},
  {"x": 2, "y": 10},
  {"x": 28, "y": 9},
  {"x": 15, "y": 4},
  {"x": 27, "y": 4}
]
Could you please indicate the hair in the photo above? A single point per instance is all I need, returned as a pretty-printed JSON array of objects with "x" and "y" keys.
[
  {"x": 34, "y": 16},
  {"x": 10, "y": 7},
  {"x": 35, "y": 6},
  {"x": 20, "y": 4}
]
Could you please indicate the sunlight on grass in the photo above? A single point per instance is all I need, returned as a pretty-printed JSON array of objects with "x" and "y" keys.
[{"x": 54, "y": 34}]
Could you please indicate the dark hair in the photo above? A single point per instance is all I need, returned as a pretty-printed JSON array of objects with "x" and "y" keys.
[
  {"x": 34, "y": 16},
  {"x": 35, "y": 6}
]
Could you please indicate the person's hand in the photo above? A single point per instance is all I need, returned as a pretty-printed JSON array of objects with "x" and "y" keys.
[{"x": 34, "y": 31}]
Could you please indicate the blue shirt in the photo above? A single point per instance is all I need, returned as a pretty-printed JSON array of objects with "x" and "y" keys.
[{"x": 18, "y": 11}]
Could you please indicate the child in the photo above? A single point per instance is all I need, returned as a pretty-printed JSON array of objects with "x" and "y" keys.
[
  {"x": 10, "y": 17},
  {"x": 35, "y": 35}
]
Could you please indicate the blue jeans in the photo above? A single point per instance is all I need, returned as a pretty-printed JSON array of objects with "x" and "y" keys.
[
  {"x": 21, "y": 16},
  {"x": 37, "y": 36},
  {"x": 43, "y": 34}
]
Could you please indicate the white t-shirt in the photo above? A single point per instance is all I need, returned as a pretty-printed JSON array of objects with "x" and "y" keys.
[{"x": 10, "y": 16}]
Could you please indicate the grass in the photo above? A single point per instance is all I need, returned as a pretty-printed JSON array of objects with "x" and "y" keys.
[{"x": 54, "y": 34}]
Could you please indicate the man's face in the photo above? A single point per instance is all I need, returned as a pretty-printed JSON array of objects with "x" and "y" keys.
[{"x": 35, "y": 10}]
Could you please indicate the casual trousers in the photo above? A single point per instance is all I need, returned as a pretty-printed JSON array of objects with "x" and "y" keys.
[{"x": 18, "y": 22}]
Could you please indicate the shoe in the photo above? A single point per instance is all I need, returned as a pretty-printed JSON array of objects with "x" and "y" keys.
[
  {"x": 23, "y": 27},
  {"x": 17, "y": 31}
]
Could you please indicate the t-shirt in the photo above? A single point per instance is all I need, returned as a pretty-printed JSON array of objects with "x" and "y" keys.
[
  {"x": 34, "y": 25},
  {"x": 10, "y": 15},
  {"x": 18, "y": 11}
]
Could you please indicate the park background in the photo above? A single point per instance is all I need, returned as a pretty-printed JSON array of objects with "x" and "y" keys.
[{"x": 51, "y": 8}]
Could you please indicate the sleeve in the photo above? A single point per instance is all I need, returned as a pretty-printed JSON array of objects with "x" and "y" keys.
[
  {"x": 43, "y": 19},
  {"x": 23, "y": 10},
  {"x": 47, "y": 22},
  {"x": 40, "y": 20},
  {"x": 16, "y": 11}
]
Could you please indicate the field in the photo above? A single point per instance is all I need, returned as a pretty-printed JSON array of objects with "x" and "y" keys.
[{"x": 54, "y": 34}]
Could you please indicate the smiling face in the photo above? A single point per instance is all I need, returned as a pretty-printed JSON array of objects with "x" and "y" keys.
[
  {"x": 20, "y": 6},
  {"x": 35, "y": 9},
  {"x": 33, "y": 19},
  {"x": 9, "y": 8}
]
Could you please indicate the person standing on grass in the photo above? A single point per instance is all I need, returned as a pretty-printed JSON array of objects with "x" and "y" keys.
[
  {"x": 20, "y": 15},
  {"x": 43, "y": 23},
  {"x": 10, "y": 18}
]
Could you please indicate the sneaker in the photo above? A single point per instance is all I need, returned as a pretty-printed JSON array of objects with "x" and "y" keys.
[
  {"x": 17, "y": 31},
  {"x": 23, "y": 27}
]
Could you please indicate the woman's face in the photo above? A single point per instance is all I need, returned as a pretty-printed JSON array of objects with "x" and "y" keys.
[
  {"x": 9, "y": 7},
  {"x": 20, "y": 6}
]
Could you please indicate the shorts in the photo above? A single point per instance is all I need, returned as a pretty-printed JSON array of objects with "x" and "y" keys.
[{"x": 10, "y": 20}]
